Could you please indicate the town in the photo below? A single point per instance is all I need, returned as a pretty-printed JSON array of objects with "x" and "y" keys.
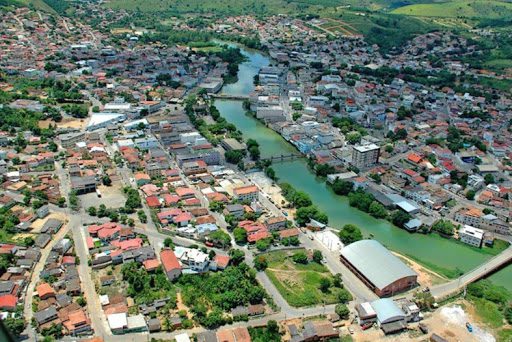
[{"x": 287, "y": 184}]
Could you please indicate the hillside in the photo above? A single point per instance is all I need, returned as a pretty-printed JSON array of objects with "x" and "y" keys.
[{"x": 481, "y": 9}]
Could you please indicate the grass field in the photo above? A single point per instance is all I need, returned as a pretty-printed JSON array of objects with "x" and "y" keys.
[
  {"x": 459, "y": 8},
  {"x": 488, "y": 312},
  {"x": 297, "y": 283}
]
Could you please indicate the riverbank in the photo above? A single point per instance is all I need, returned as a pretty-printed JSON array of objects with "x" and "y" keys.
[{"x": 431, "y": 249}]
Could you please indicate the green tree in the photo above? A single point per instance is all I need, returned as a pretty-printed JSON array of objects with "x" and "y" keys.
[
  {"x": 400, "y": 218},
  {"x": 444, "y": 227},
  {"x": 317, "y": 256},
  {"x": 353, "y": 138},
  {"x": 342, "y": 311},
  {"x": 240, "y": 235},
  {"x": 489, "y": 179},
  {"x": 470, "y": 194},
  {"x": 350, "y": 233},
  {"x": 262, "y": 245},
  {"x": 377, "y": 210},
  {"x": 342, "y": 187},
  {"x": 237, "y": 256},
  {"x": 92, "y": 211},
  {"x": 300, "y": 258},
  {"x": 324, "y": 285},
  {"x": 260, "y": 263}
]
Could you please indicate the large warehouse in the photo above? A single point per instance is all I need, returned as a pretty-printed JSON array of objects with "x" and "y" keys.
[{"x": 381, "y": 271}]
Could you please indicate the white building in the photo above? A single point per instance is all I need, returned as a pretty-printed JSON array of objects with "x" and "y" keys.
[
  {"x": 365, "y": 155},
  {"x": 471, "y": 235}
]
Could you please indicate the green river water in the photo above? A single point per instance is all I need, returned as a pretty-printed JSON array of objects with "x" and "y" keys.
[{"x": 430, "y": 249}]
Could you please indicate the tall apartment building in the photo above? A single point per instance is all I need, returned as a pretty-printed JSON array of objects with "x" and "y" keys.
[{"x": 365, "y": 155}]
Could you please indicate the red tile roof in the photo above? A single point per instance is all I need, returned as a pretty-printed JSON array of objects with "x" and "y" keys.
[
  {"x": 169, "y": 260},
  {"x": 8, "y": 302}
]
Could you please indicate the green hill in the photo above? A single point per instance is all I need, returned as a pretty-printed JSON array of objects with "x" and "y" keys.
[{"x": 478, "y": 9}]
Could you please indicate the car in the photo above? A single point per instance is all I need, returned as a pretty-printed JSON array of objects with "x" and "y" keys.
[
  {"x": 366, "y": 326},
  {"x": 351, "y": 330}
]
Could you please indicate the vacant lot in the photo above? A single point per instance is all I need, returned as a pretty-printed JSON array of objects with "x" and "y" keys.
[{"x": 299, "y": 284}]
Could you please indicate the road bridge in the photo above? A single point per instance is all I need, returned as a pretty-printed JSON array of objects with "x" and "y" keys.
[{"x": 455, "y": 286}]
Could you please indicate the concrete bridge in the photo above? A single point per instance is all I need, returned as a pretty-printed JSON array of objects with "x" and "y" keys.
[
  {"x": 455, "y": 286},
  {"x": 283, "y": 157},
  {"x": 229, "y": 97}
]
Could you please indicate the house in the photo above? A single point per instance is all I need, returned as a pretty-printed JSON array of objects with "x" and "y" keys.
[
  {"x": 47, "y": 315},
  {"x": 170, "y": 263},
  {"x": 77, "y": 323},
  {"x": 154, "y": 325},
  {"x": 220, "y": 262},
  {"x": 246, "y": 193},
  {"x": 276, "y": 223},
  {"x": 196, "y": 260},
  {"x": 8, "y": 302},
  {"x": 237, "y": 210},
  {"x": 51, "y": 226},
  {"x": 45, "y": 291}
]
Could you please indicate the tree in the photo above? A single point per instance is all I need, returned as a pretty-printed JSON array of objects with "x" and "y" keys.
[
  {"x": 106, "y": 180},
  {"x": 342, "y": 187},
  {"x": 260, "y": 263},
  {"x": 92, "y": 211},
  {"x": 14, "y": 325},
  {"x": 377, "y": 210},
  {"x": 400, "y": 218},
  {"x": 444, "y": 227},
  {"x": 220, "y": 238},
  {"x": 300, "y": 258},
  {"x": 350, "y": 233},
  {"x": 322, "y": 170},
  {"x": 233, "y": 157},
  {"x": 240, "y": 235},
  {"x": 324, "y": 285},
  {"x": 237, "y": 256},
  {"x": 317, "y": 256},
  {"x": 470, "y": 195},
  {"x": 353, "y": 138},
  {"x": 262, "y": 245},
  {"x": 169, "y": 243},
  {"x": 342, "y": 311},
  {"x": 272, "y": 327},
  {"x": 489, "y": 179},
  {"x": 271, "y": 173},
  {"x": 305, "y": 214},
  {"x": 508, "y": 314}
]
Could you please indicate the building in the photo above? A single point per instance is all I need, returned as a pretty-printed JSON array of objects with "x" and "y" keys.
[
  {"x": 246, "y": 193},
  {"x": 171, "y": 264},
  {"x": 70, "y": 139},
  {"x": 390, "y": 317},
  {"x": 104, "y": 119},
  {"x": 83, "y": 185},
  {"x": 378, "y": 268},
  {"x": 471, "y": 236},
  {"x": 471, "y": 217},
  {"x": 231, "y": 144},
  {"x": 365, "y": 156}
]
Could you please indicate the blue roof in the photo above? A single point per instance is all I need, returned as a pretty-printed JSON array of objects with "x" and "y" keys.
[{"x": 387, "y": 310}]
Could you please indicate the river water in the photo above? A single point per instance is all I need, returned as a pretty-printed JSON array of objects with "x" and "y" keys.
[{"x": 430, "y": 249}]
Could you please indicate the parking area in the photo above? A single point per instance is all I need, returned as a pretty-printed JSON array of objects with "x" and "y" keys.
[{"x": 111, "y": 196}]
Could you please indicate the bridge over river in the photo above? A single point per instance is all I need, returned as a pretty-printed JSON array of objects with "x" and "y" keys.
[{"x": 455, "y": 286}]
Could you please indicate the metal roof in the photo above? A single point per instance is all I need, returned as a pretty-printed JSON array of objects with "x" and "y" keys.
[
  {"x": 387, "y": 310},
  {"x": 376, "y": 263}
]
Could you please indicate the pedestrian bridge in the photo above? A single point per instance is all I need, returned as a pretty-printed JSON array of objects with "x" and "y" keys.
[
  {"x": 455, "y": 286},
  {"x": 282, "y": 157},
  {"x": 230, "y": 97}
]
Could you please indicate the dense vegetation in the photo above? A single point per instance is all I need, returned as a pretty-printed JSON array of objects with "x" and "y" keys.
[
  {"x": 305, "y": 208},
  {"x": 220, "y": 292}
]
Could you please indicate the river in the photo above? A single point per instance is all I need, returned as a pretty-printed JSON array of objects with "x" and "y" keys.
[{"x": 429, "y": 249}]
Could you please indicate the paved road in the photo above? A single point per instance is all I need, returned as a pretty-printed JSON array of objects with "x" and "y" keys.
[{"x": 446, "y": 289}]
